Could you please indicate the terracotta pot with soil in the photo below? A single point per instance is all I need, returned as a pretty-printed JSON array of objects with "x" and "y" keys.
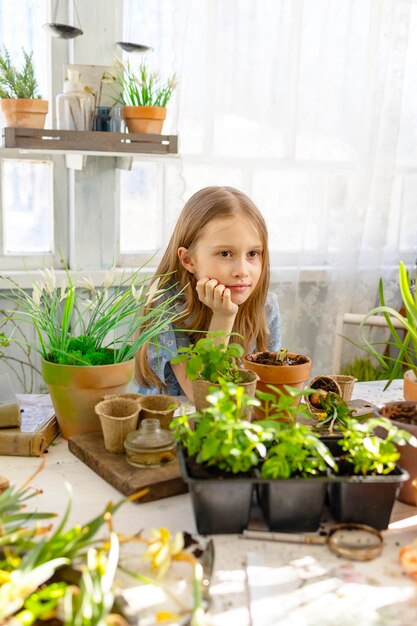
[
  {"x": 404, "y": 415},
  {"x": 278, "y": 369}
]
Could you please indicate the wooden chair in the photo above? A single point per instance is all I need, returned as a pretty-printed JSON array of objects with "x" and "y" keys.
[{"x": 356, "y": 319}]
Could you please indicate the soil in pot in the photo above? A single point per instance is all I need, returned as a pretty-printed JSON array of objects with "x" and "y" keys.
[
  {"x": 404, "y": 415},
  {"x": 270, "y": 358}
]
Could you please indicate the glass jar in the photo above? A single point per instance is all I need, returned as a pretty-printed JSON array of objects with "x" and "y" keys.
[
  {"x": 150, "y": 446},
  {"x": 102, "y": 119},
  {"x": 75, "y": 106}
]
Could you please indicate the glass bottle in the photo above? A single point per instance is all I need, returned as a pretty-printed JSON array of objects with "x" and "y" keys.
[
  {"x": 117, "y": 122},
  {"x": 75, "y": 106},
  {"x": 150, "y": 446},
  {"x": 102, "y": 119}
]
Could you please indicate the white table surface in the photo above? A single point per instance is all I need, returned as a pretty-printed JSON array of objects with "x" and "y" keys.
[{"x": 229, "y": 590}]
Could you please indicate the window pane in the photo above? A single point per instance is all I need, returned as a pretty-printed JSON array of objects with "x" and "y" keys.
[
  {"x": 27, "y": 206},
  {"x": 26, "y": 17},
  {"x": 139, "y": 214}
]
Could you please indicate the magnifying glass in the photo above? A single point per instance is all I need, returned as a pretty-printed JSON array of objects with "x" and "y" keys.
[{"x": 356, "y": 542}]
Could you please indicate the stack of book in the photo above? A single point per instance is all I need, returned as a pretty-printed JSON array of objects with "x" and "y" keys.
[{"x": 38, "y": 427}]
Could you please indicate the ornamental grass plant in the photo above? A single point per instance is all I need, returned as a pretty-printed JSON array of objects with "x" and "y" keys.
[
  {"x": 144, "y": 87},
  {"x": 78, "y": 323}
]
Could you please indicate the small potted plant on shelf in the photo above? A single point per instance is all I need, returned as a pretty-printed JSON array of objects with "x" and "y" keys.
[
  {"x": 405, "y": 341},
  {"x": 87, "y": 337},
  {"x": 369, "y": 477},
  {"x": 210, "y": 360},
  {"x": 20, "y": 103},
  {"x": 280, "y": 369},
  {"x": 144, "y": 97}
]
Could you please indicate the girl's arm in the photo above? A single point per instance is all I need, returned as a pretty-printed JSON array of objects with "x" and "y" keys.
[{"x": 181, "y": 376}]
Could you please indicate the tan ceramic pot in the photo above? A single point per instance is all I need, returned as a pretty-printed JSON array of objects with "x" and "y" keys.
[
  {"x": 148, "y": 120},
  {"x": 24, "y": 113},
  {"x": 76, "y": 389},
  {"x": 404, "y": 415},
  {"x": 159, "y": 406},
  {"x": 201, "y": 388},
  {"x": 278, "y": 375},
  {"x": 410, "y": 386},
  {"x": 118, "y": 418}
]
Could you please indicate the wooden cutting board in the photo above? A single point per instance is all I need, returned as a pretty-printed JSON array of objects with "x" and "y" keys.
[{"x": 162, "y": 481}]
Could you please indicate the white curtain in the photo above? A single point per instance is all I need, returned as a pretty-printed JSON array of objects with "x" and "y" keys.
[{"x": 309, "y": 106}]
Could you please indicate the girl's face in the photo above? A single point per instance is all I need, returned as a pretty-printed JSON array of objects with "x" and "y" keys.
[{"x": 229, "y": 250}]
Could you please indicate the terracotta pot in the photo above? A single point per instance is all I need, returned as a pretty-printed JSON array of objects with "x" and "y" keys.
[
  {"x": 24, "y": 113},
  {"x": 410, "y": 386},
  {"x": 148, "y": 120},
  {"x": 278, "y": 375},
  {"x": 160, "y": 407},
  {"x": 404, "y": 415},
  {"x": 201, "y": 389},
  {"x": 76, "y": 389},
  {"x": 414, "y": 484},
  {"x": 118, "y": 418}
]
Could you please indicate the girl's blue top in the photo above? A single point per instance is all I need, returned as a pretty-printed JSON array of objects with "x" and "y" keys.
[{"x": 169, "y": 341}]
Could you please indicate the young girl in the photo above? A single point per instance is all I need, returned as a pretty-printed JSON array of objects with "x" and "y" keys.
[{"x": 217, "y": 261}]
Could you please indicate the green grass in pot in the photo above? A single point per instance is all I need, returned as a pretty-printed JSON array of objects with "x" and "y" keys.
[
  {"x": 79, "y": 323},
  {"x": 142, "y": 88}
]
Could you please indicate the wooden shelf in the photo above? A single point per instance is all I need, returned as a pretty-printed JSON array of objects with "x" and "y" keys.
[{"x": 88, "y": 142}]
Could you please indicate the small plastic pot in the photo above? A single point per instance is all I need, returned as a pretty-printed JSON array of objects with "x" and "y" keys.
[
  {"x": 220, "y": 505},
  {"x": 365, "y": 499},
  {"x": 292, "y": 504}
]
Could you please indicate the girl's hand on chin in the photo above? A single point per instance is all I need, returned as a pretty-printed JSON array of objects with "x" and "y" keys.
[{"x": 216, "y": 296}]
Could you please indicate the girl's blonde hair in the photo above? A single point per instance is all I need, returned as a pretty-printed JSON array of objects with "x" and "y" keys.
[{"x": 204, "y": 206}]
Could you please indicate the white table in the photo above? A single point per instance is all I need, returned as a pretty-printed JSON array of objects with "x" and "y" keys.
[{"x": 229, "y": 592}]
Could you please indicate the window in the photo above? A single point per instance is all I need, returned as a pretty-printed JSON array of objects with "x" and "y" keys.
[
  {"x": 140, "y": 210},
  {"x": 27, "y": 216},
  {"x": 308, "y": 107}
]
